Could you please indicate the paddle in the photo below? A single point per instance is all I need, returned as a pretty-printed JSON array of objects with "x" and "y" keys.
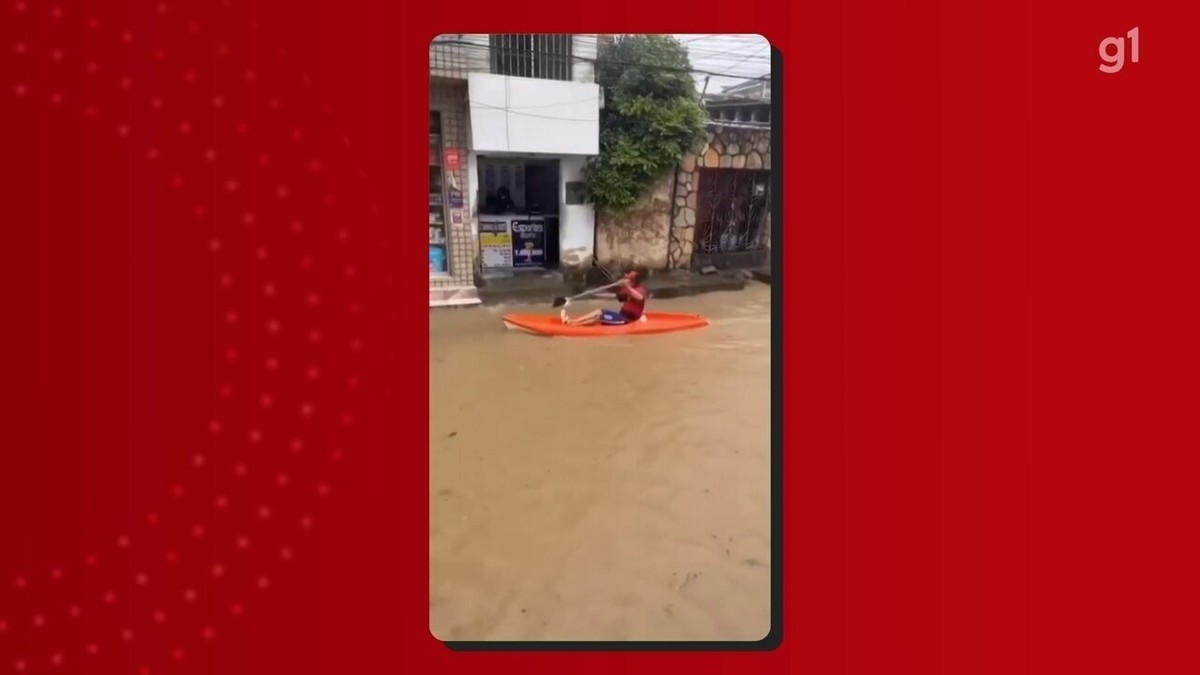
[{"x": 561, "y": 302}]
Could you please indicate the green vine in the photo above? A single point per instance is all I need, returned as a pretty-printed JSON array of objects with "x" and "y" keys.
[{"x": 652, "y": 116}]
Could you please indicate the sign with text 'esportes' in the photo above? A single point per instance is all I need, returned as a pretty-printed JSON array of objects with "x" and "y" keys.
[{"x": 529, "y": 243}]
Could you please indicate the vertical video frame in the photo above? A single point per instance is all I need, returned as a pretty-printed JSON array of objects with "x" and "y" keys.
[{"x": 601, "y": 389}]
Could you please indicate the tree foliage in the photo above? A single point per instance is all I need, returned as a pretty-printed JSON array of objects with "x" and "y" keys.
[{"x": 652, "y": 116}]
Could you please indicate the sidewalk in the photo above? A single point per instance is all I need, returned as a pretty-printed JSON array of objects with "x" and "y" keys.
[
  {"x": 537, "y": 289},
  {"x": 763, "y": 273}
]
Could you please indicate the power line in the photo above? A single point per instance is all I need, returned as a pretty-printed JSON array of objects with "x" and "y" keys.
[
  {"x": 728, "y": 53},
  {"x": 590, "y": 99},
  {"x": 598, "y": 61},
  {"x": 516, "y": 111},
  {"x": 725, "y": 41},
  {"x": 726, "y": 60},
  {"x": 749, "y": 55},
  {"x": 723, "y": 46},
  {"x": 687, "y": 38},
  {"x": 728, "y": 46}
]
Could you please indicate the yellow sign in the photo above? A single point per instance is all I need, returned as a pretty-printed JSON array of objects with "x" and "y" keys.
[{"x": 496, "y": 249}]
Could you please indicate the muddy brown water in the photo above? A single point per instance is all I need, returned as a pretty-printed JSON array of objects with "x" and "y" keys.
[{"x": 601, "y": 488}]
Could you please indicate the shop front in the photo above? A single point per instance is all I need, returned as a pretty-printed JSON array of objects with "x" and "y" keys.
[
  {"x": 519, "y": 214},
  {"x": 451, "y": 245},
  {"x": 530, "y": 141}
]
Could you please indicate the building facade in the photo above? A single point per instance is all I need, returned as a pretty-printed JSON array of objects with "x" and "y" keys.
[
  {"x": 513, "y": 120},
  {"x": 714, "y": 209},
  {"x": 721, "y": 211}
]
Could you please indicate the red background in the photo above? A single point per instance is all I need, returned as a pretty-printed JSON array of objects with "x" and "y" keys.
[{"x": 989, "y": 341}]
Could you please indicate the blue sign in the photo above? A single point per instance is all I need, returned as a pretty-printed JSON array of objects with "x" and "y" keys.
[{"x": 529, "y": 243}]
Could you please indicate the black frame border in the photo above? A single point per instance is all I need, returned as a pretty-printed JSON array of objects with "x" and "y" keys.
[{"x": 774, "y": 637}]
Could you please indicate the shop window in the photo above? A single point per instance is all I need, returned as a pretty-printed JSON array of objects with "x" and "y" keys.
[
  {"x": 546, "y": 57},
  {"x": 438, "y": 252}
]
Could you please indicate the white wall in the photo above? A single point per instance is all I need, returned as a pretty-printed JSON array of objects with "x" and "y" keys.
[
  {"x": 472, "y": 207},
  {"x": 577, "y": 222},
  {"x": 583, "y": 52},
  {"x": 518, "y": 114}
]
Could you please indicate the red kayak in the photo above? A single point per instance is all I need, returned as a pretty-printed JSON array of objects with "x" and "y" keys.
[{"x": 651, "y": 322}]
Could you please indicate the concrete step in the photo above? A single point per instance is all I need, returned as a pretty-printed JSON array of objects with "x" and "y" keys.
[
  {"x": 454, "y": 296},
  {"x": 762, "y": 274}
]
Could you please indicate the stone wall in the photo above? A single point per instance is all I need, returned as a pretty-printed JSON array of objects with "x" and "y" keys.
[
  {"x": 724, "y": 148},
  {"x": 637, "y": 238},
  {"x": 657, "y": 232}
]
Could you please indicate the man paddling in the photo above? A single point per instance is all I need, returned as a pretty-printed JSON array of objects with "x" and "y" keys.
[{"x": 630, "y": 291}]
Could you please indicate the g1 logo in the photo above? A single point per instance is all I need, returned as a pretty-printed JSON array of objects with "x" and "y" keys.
[{"x": 1112, "y": 52}]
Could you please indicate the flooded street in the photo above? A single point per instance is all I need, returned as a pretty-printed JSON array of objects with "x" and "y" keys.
[{"x": 601, "y": 488}]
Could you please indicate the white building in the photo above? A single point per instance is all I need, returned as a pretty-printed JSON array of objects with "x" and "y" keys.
[{"x": 513, "y": 120}]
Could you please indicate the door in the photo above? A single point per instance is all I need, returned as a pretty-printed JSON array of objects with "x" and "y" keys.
[
  {"x": 542, "y": 196},
  {"x": 731, "y": 208}
]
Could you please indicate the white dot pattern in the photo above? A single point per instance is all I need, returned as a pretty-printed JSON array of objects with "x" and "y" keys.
[{"x": 246, "y": 493}]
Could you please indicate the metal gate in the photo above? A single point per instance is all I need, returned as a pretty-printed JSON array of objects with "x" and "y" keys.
[{"x": 731, "y": 208}]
